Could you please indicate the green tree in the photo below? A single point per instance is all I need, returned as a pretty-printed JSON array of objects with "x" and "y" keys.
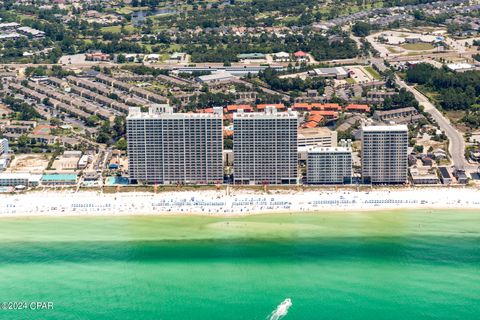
[
  {"x": 361, "y": 29},
  {"x": 121, "y": 144},
  {"x": 121, "y": 58},
  {"x": 92, "y": 121},
  {"x": 23, "y": 141}
]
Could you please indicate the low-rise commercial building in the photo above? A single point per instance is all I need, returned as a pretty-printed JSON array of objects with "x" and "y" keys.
[
  {"x": 281, "y": 56},
  {"x": 426, "y": 178},
  {"x": 445, "y": 176},
  {"x": 400, "y": 116},
  {"x": 461, "y": 176},
  {"x": 216, "y": 77},
  {"x": 19, "y": 179},
  {"x": 84, "y": 161},
  {"x": 72, "y": 154},
  {"x": 334, "y": 73},
  {"x": 461, "y": 67},
  {"x": 358, "y": 108},
  {"x": 59, "y": 179},
  {"x": 31, "y": 32},
  {"x": 251, "y": 56},
  {"x": 320, "y": 136}
]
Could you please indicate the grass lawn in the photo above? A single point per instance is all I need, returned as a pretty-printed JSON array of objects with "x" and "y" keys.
[
  {"x": 431, "y": 95},
  {"x": 164, "y": 56},
  {"x": 350, "y": 7},
  {"x": 116, "y": 29},
  {"x": 350, "y": 81},
  {"x": 455, "y": 116},
  {"x": 125, "y": 10},
  {"x": 174, "y": 47},
  {"x": 417, "y": 46},
  {"x": 373, "y": 72},
  {"x": 24, "y": 17},
  {"x": 391, "y": 49},
  {"x": 289, "y": 18},
  {"x": 416, "y": 53}
]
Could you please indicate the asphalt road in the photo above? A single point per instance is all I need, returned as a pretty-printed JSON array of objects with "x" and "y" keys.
[{"x": 457, "y": 143}]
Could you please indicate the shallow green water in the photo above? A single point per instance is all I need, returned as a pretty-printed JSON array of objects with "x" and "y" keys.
[{"x": 383, "y": 265}]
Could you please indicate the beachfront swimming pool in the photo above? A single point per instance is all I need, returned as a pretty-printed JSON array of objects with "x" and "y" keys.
[
  {"x": 115, "y": 181},
  {"x": 5, "y": 189}
]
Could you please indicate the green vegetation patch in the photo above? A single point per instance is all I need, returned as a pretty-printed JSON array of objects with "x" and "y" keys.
[
  {"x": 417, "y": 46},
  {"x": 374, "y": 73},
  {"x": 117, "y": 29}
]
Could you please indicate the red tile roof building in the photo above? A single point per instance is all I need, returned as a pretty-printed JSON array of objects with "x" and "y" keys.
[
  {"x": 328, "y": 114},
  {"x": 235, "y": 107},
  {"x": 279, "y": 106},
  {"x": 300, "y": 106},
  {"x": 357, "y": 108},
  {"x": 317, "y": 106},
  {"x": 300, "y": 54}
]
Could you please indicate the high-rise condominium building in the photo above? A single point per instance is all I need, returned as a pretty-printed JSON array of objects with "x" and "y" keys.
[
  {"x": 174, "y": 148},
  {"x": 384, "y": 154},
  {"x": 3, "y": 146},
  {"x": 265, "y": 147},
  {"x": 329, "y": 165}
]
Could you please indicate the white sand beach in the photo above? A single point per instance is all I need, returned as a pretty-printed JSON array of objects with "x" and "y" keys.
[{"x": 240, "y": 202}]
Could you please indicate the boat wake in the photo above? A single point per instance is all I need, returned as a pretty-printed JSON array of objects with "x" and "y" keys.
[{"x": 281, "y": 310}]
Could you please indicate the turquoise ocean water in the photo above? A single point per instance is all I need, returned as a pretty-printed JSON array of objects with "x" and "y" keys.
[{"x": 381, "y": 265}]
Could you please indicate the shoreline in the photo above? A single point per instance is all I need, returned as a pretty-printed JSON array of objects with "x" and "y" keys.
[
  {"x": 229, "y": 216},
  {"x": 240, "y": 203}
]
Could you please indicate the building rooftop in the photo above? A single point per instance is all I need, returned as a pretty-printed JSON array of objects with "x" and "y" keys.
[
  {"x": 325, "y": 113},
  {"x": 313, "y": 132},
  {"x": 9, "y": 25},
  {"x": 459, "y": 66},
  {"x": 282, "y": 54},
  {"x": 279, "y": 106},
  {"x": 164, "y": 111},
  {"x": 20, "y": 175},
  {"x": 334, "y": 70},
  {"x": 318, "y": 149},
  {"x": 220, "y": 75},
  {"x": 394, "y": 111},
  {"x": 418, "y": 176},
  {"x": 316, "y": 106},
  {"x": 14, "y": 175},
  {"x": 444, "y": 172},
  {"x": 300, "y": 54},
  {"x": 361, "y": 107},
  {"x": 270, "y": 112},
  {"x": 385, "y": 128},
  {"x": 254, "y": 55},
  {"x": 237, "y": 107},
  {"x": 32, "y": 31},
  {"x": 59, "y": 177}
]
